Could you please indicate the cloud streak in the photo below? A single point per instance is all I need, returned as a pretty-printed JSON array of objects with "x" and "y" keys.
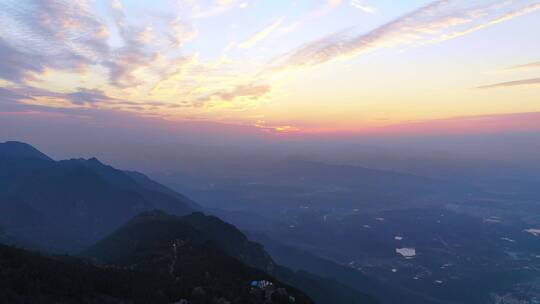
[
  {"x": 364, "y": 8},
  {"x": 480, "y": 124},
  {"x": 523, "y": 67},
  {"x": 261, "y": 35},
  {"x": 27, "y": 97},
  {"x": 436, "y": 22},
  {"x": 522, "y": 82}
]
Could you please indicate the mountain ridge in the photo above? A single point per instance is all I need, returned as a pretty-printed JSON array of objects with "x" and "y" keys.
[
  {"x": 84, "y": 198},
  {"x": 152, "y": 234},
  {"x": 64, "y": 206},
  {"x": 21, "y": 150}
]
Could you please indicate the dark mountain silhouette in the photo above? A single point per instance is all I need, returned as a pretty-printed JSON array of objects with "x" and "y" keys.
[
  {"x": 157, "y": 258},
  {"x": 4, "y": 238},
  {"x": 191, "y": 252},
  {"x": 29, "y": 277},
  {"x": 154, "y": 238},
  {"x": 200, "y": 274},
  {"x": 67, "y": 205},
  {"x": 154, "y": 230},
  {"x": 15, "y": 149}
]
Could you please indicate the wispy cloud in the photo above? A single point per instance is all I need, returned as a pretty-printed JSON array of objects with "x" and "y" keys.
[
  {"x": 436, "y": 22},
  {"x": 261, "y": 35},
  {"x": 250, "y": 90},
  {"x": 522, "y": 67},
  {"x": 82, "y": 96},
  {"x": 47, "y": 34},
  {"x": 275, "y": 128},
  {"x": 18, "y": 66},
  {"x": 37, "y": 36},
  {"x": 480, "y": 124},
  {"x": 147, "y": 64},
  {"x": 78, "y": 98},
  {"x": 141, "y": 50},
  {"x": 199, "y": 9},
  {"x": 363, "y": 7},
  {"x": 244, "y": 93},
  {"x": 522, "y": 82},
  {"x": 27, "y": 98},
  {"x": 318, "y": 11}
]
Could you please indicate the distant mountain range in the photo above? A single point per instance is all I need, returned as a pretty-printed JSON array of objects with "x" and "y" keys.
[
  {"x": 268, "y": 186},
  {"x": 68, "y": 205},
  {"x": 144, "y": 242}
]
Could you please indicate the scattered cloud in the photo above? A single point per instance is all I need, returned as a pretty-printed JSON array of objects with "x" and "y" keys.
[
  {"x": 68, "y": 36},
  {"x": 522, "y": 82},
  {"x": 146, "y": 65},
  {"x": 180, "y": 33},
  {"x": 48, "y": 34},
  {"x": 139, "y": 49}
]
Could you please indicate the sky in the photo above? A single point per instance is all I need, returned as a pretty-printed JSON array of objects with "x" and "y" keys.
[{"x": 280, "y": 68}]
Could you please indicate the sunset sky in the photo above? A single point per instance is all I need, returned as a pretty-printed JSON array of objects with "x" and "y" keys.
[{"x": 283, "y": 67}]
